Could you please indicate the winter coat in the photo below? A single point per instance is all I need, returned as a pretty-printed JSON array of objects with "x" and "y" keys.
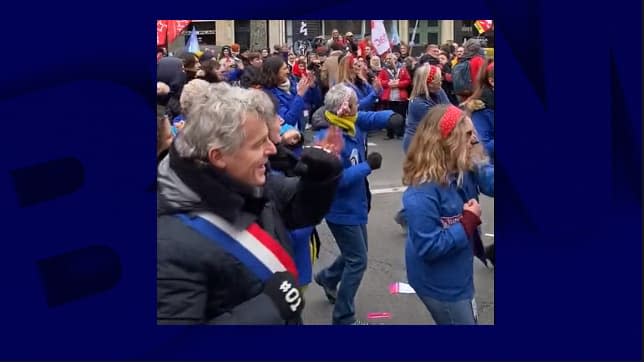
[
  {"x": 438, "y": 253},
  {"x": 350, "y": 204},
  {"x": 483, "y": 120},
  {"x": 197, "y": 280},
  {"x": 416, "y": 112},
  {"x": 170, "y": 71},
  {"x": 404, "y": 80}
]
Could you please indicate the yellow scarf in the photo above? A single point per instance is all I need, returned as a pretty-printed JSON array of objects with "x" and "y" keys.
[{"x": 346, "y": 123}]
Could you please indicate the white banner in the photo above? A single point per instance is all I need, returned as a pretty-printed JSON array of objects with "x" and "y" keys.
[{"x": 379, "y": 36}]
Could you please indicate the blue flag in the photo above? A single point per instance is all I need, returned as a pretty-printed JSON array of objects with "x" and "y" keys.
[
  {"x": 193, "y": 43},
  {"x": 395, "y": 38}
]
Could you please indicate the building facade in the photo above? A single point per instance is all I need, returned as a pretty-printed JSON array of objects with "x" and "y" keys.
[{"x": 258, "y": 34}]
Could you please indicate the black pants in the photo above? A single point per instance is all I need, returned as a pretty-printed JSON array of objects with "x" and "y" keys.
[{"x": 400, "y": 108}]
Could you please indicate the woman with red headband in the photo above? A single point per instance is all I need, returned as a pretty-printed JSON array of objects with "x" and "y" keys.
[
  {"x": 445, "y": 170},
  {"x": 425, "y": 95}
]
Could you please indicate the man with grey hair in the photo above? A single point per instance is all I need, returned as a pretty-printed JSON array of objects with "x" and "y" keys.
[
  {"x": 431, "y": 55},
  {"x": 348, "y": 216},
  {"x": 223, "y": 251}
]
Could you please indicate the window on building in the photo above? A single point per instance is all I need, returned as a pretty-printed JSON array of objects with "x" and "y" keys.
[
  {"x": 301, "y": 34},
  {"x": 432, "y": 23},
  {"x": 388, "y": 24},
  {"x": 289, "y": 32},
  {"x": 468, "y": 26},
  {"x": 205, "y": 32},
  {"x": 242, "y": 34},
  {"x": 432, "y": 38},
  {"x": 343, "y": 26},
  {"x": 302, "y": 29}
]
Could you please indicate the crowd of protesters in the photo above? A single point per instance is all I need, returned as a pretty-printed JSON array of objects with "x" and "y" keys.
[{"x": 241, "y": 188}]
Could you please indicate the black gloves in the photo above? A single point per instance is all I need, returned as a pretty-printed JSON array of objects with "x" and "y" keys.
[
  {"x": 396, "y": 121},
  {"x": 284, "y": 160},
  {"x": 374, "y": 160},
  {"x": 318, "y": 165},
  {"x": 282, "y": 289}
]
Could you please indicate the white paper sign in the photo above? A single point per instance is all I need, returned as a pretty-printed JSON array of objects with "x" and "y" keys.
[{"x": 379, "y": 36}]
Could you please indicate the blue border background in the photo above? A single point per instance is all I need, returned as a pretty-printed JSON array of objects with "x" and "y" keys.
[{"x": 78, "y": 221}]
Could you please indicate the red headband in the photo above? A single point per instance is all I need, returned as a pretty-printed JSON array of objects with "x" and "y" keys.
[
  {"x": 448, "y": 121},
  {"x": 351, "y": 60},
  {"x": 431, "y": 75}
]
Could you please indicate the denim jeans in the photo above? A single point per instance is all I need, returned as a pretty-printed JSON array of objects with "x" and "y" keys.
[
  {"x": 347, "y": 269},
  {"x": 449, "y": 313}
]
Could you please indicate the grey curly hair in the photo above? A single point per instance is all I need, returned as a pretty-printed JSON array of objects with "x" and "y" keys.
[
  {"x": 336, "y": 96},
  {"x": 194, "y": 92},
  {"x": 215, "y": 117}
]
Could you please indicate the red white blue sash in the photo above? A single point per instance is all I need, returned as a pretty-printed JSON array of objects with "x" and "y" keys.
[{"x": 253, "y": 246}]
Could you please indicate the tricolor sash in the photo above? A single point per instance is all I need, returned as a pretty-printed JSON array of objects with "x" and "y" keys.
[{"x": 253, "y": 246}]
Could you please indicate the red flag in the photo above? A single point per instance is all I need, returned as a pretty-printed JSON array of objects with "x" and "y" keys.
[
  {"x": 169, "y": 30},
  {"x": 162, "y": 29},
  {"x": 483, "y": 25}
]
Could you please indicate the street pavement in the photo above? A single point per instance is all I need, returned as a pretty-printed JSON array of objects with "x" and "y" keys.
[{"x": 386, "y": 254}]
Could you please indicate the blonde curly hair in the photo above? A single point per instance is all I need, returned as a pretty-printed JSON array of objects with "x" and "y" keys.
[{"x": 432, "y": 158}]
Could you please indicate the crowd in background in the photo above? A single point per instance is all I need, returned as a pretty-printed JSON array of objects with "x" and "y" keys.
[{"x": 388, "y": 76}]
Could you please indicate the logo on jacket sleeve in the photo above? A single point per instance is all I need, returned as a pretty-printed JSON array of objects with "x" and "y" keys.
[
  {"x": 448, "y": 221},
  {"x": 354, "y": 158}
]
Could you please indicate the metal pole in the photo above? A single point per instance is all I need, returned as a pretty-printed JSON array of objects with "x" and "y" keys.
[{"x": 413, "y": 36}]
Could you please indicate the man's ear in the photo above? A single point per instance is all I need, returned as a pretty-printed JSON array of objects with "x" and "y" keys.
[{"x": 216, "y": 158}]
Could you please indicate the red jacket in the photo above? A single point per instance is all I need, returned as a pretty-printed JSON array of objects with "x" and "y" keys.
[
  {"x": 404, "y": 80},
  {"x": 476, "y": 63},
  {"x": 296, "y": 70},
  {"x": 362, "y": 45}
]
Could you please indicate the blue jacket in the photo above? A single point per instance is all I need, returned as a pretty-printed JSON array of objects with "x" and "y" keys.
[
  {"x": 285, "y": 127},
  {"x": 483, "y": 120},
  {"x": 292, "y": 106},
  {"x": 173, "y": 128},
  {"x": 367, "y": 96},
  {"x": 302, "y": 254},
  {"x": 350, "y": 203},
  {"x": 301, "y": 249},
  {"x": 416, "y": 111},
  {"x": 233, "y": 75},
  {"x": 438, "y": 253},
  {"x": 313, "y": 98}
]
